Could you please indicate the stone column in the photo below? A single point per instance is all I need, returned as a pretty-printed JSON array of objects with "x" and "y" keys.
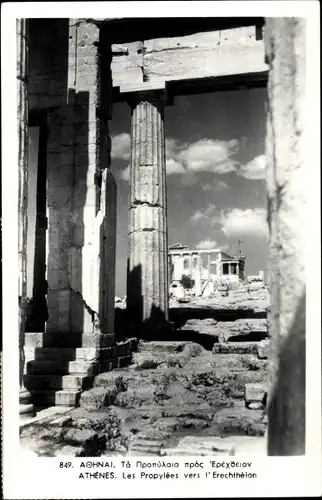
[
  {"x": 200, "y": 275},
  {"x": 147, "y": 286},
  {"x": 209, "y": 261},
  {"x": 218, "y": 268},
  {"x": 190, "y": 264},
  {"x": 25, "y": 409},
  {"x": 285, "y": 178}
]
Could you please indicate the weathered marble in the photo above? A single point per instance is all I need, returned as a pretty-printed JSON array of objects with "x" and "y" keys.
[
  {"x": 285, "y": 178},
  {"x": 147, "y": 292},
  {"x": 26, "y": 409}
]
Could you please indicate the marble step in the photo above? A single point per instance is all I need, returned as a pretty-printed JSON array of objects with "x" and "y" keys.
[
  {"x": 57, "y": 382},
  {"x": 56, "y": 398},
  {"x": 64, "y": 353},
  {"x": 53, "y": 339},
  {"x": 61, "y": 367}
]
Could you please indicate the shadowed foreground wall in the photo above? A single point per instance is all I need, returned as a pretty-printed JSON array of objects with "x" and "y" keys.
[
  {"x": 285, "y": 51},
  {"x": 66, "y": 82}
]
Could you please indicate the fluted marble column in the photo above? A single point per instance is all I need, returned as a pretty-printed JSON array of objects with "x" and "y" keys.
[
  {"x": 147, "y": 287},
  {"x": 26, "y": 409}
]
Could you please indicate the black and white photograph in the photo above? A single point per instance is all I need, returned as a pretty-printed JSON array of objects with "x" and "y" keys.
[{"x": 162, "y": 235}]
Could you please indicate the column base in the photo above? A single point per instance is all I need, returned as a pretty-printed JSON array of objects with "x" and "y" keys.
[{"x": 26, "y": 409}]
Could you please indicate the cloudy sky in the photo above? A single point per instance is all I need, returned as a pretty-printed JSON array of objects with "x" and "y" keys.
[{"x": 215, "y": 175}]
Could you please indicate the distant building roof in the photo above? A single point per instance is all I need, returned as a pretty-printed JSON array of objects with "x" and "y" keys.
[
  {"x": 177, "y": 246},
  {"x": 225, "y": 256}
]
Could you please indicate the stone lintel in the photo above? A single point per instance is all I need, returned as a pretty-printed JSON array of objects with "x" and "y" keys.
[
  {"x": 129, "y": 88},
  {"x": 192, "y": 252}
]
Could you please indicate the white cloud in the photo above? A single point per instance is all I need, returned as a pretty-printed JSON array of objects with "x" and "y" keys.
[
  {"x": 202, "y": 215},
  {"x": 251, "y": 222},
  {"x": 255, "y": 169},
  {"x": 174, "y": 167},
  {"x": 207, "y": 155},
  {"x": 218, "y": 185},
  {"x": 121, "y": 147},
  {"x": 207, "y": 244},
  {"x": 187, "y": 160},
  {"x": 125, "y": 174}
]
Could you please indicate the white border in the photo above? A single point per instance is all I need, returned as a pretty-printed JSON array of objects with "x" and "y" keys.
[{"x": 41, "y": 478}]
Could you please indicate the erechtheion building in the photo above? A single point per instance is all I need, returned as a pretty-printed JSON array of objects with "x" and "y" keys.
[
  {"x": 69, "y": 73},
  {"x": 207, "y": 268}
]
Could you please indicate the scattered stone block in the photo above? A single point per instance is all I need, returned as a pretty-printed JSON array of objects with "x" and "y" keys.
[
  {"x": 239, "y": 420},
  {"x": 67, "y": 398},
  {"x": 235, "y": 348},
  {"x": 98, "y": 398},
  {"x": 161, "y": 347},
  {"x": 254, "y": 286},
  {"x": 83, "y": 367},
  {"x": 33, "y": 340},
  {"x": 61, "y": 421},
  {"x": 263, "y": 349},
  {"x": 98, "y": 340},
  {"x": 255, "y": 393},
  {"x": 68, "y": 451},
  {"x": 141, "y": 447},
  {"x": 255, "y": 406},
  {"x": 80, "y": 436},
  {"x": 70, "y": 382},
  {"x": 135, "y": 398},
  {"x": 109, "y": 379}
]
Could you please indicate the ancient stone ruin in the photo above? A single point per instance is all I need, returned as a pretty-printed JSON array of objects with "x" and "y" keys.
[{"x": 192, "y": 379}]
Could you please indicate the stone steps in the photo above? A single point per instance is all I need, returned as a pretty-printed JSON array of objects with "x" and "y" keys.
[
  {"x": 63, "y": 353},
  {"x": 57, "y": 369},
  {"x": 62, "y": 367},
  {"x": 57, "y": 382},
  {"x": 62, "y": 397},
  {"x": 53, "y": 339}
]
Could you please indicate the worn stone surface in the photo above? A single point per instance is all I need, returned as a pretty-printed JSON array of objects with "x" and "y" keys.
[
  {"x": 263, "y": 349},
  {"x": 286, "y": 175},
  {"x": 239, "y": 300},
  {"x": 98, "y": 398},
  {"x": 147, "y": 285},
  {"x": 235, "y": 348},
  {"x": 255, "y": 393},
  {"x": 209, "y": 54},
  {"x": 81, "y": 190},
  {"x": 223, "y": 331}
]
